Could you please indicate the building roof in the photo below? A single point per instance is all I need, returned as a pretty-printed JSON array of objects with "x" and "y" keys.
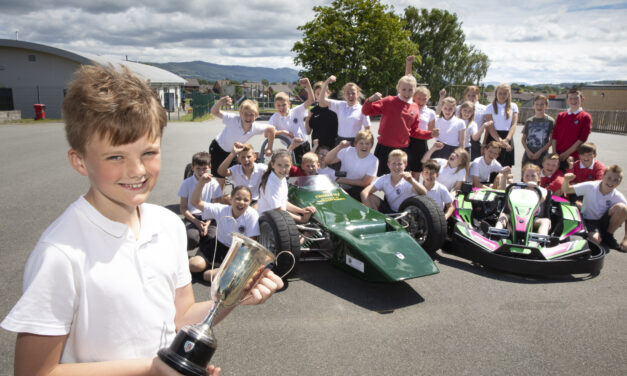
[
  {"x": 193, "y": 82},
  {"x": 153, "y": 74},
  {"x": 605, "y": 87}
]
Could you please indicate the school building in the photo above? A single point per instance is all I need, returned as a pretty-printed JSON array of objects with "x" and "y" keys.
[
  {"x": 32, "y": 73},
  {"x": 605, "y": 97}
]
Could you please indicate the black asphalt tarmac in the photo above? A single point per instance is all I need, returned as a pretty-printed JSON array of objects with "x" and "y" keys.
[{"x": 466, "y": 320}]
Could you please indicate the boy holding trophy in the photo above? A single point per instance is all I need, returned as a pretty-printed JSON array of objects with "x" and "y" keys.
[{"x": 108, "y": 283}]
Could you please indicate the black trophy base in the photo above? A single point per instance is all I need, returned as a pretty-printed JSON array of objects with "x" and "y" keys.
[{"x": 189, "y": 353}]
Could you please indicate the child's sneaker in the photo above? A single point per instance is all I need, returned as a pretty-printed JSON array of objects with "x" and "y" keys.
[{"x": 610, "y": 242}]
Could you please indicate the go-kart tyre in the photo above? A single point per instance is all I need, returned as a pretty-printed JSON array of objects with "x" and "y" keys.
[
  {"x": 280, "y": 142},
  {"x": 278, "y": 232},
  {"x": 427, "y": 223}
]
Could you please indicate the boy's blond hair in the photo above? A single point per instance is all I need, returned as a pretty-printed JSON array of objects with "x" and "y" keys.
[
  {"x": 551, "y": 156},
  {"x": 364, "y": 134},
  {"x": 531, "y": 166},
  {"x": 541, "y": 97},
  {"x": 118, "y": 105},
  {"x": 398, "y": 153},
  {"x": 250, "y": 105},
  {"x": 310, "y": 157},
  {"x": 493, "y": 144},
  {"x": 408, "y": 79},
  {"x": 615, "y": 169},
  {"x": 424, "y": 90},
  {"x": 282, "y": 96},
  {"x": 247, "y": 147}
]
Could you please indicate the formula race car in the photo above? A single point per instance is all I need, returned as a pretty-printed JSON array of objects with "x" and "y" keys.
[
  {"x": 371, "y": 245},
  {"x": 518, "y": 249}
]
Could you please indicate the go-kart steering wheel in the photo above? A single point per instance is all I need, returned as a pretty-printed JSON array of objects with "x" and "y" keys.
[{"x": 522, "y": 185}]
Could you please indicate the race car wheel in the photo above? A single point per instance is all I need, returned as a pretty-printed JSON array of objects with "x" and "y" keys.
[
  {"x": 280, "y": 142},
  {"x": 278, "y": 233},
  {"x": 426, "y": 222}
]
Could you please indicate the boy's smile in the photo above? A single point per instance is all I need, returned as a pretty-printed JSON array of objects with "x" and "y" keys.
[
  {"x": 121, "y": 176},
  {"x": 363, "y": 147},
  {"x": 610, "y": 181}
]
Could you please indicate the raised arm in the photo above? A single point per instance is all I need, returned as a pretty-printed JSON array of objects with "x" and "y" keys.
[
  {"x": 567, "y": 187},
  {"x": 224, "y": 169},
  {"x": 438, "y": 108},
  {"x": 322, "y": 97},
  {"x": 196, "y": 199},
  {"x": 418, "y": 188},
  {"x": 408, "y": 63},
  {"x": 215, "y": 109},
  {"x": 331, "y": 156},
  {"x": 310, "y": 94},
  {"x": 436, "y": 146},
  {"x": 269, "y": 133}
]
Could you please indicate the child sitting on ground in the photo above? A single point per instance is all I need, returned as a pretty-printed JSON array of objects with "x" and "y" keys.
[
  {"x": 550, "y": 176},
  {"x": 436, "y": 190},
  {"x": 397, "y": 186},
  {"x": 604, "y": 208},
  {"x": 588, "y": 167},
  {"x": 199, "y": 231},
  {"x": 531, "y": 176},
  {"x": 484, "y": 169},
  {"x": 237, "y": 128},
  {"x": 359, "y": 164},
  {"x": 247, "y": 172},
  {"x": 291, "y": 121},
  {"x": 453, "y": 171},
  {"x": 273, "y": 189},
  {"x": 536, "y": 135},
  {"x": 108, "y": 283},
  {"x": 236, "y": 217}
]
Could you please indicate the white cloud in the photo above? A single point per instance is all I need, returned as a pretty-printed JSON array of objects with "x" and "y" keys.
[{"x": 533, "y": 41}]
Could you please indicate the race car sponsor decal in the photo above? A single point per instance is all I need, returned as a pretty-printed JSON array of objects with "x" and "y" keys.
[
  {"x": 327, "y": 197},
  {"x": 354, "y": 263}
]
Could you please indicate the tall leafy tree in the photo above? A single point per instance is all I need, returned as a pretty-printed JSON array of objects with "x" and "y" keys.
[
  {"x": 359, "y": 41},
  {"x": 446, "y": 58}
]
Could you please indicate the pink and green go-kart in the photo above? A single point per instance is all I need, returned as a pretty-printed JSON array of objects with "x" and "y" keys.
[{"x": 518, "y": 249}]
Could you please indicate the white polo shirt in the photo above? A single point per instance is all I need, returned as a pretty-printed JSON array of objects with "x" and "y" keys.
[
  {"x": 440, "y": 194},
  {"x": 426, "y": 116},
  {"x": 394, "y": 194},
  {"x": 328, "y": 171},
  {"x": 113, "y": 295},
  {"x": 233, "y": 131},
  {"x": 448, "y": 176},
  {"x": 470, "y": 131},
  {"x": 356, "y": 168},
  {"x": 247, "y": 223},
  {"x": 349, "y": 118},
  {"x": 274, "y": 195},
  {"x": 500, "y": 123},
  {"x": 479, "y": 168},
  {"x": 238, "y": 177},
  {"x": 449, "y": 130},
  {"x": 210, "y": 191},
  {"x": 595, "y": 204},
  {"x": 294, "y": 121}
]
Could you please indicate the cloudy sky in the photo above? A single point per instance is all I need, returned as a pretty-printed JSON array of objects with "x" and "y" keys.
[{"x": 532, "y": 41}]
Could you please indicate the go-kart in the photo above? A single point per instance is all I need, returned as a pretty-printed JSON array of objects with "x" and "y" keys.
[
  {"x": 366, "y": 243},
  {"x": 517, "y": 249}
]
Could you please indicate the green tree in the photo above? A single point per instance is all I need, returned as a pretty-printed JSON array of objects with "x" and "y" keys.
[
  {"x": 446, "y": 58},
  {"x": 359, "y": 41}
]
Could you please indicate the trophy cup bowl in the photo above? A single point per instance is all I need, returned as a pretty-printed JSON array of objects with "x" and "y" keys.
[{"x": 194, "y": 345}]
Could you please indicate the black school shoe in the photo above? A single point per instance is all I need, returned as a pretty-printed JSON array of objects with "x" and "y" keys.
[{"x": 610, "y": 242}]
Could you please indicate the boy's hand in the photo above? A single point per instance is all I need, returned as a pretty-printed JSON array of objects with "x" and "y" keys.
[
  {"x": 204, "y": 228},
  {"x": 309, "y": 209},
  {"x": 375, "y": 97},
  {"x": 331, "y": 79},
  {"x": 410, "y": 59},
  {"x": 435, "y": 132},
  {"x": 159, "y": 368},
  {"x": 296, "y": 142},
  {"x": 506, "y": 170},
  {"x": 569, "y": 177},
  {"x": 437, "y": 145},
  {"x": 344, "y": 144},
  {"x": 237, "y": 147},
  {"x": 206, "y": 177},
  {"x": 303, "y": 81},
  {"x": 315, "y": 143},
  {"x": 268, "y": 284},
  {"x": 442, "y": 92},
  {"x": 268, "y": 152},
  {"x": 407, "y": 176},
  {"x": 226, "y": 101}
]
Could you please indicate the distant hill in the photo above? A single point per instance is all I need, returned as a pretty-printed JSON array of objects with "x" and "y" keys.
[{"x": 214, "y": 72}]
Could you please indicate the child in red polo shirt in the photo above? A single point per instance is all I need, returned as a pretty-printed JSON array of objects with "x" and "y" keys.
[
  {"x": 571, "y": 129},
  {"x": 587, "y": 168},
  {"x": 551, "y": 177}
]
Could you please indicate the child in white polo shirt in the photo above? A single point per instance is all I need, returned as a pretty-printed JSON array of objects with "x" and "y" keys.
[
  {"x": 291, "y": 121},
  {"x": 359, "y": 164},
  {"x": 199, "y": 231},
  {"x": 237, "y": 217},
  {"x": 452, "y": 129},
  {"x": 485, "y": 167},
  {"x": 604, "y": 208},
  {"x": 435, "y": 190},
  {"x": 237, "y": 128},
  {"x": 273, "y": 189},
  {"x": 108, "y": 283},
  {"x": 247, "y": 172},
  {"x": 397, "y": 186}
]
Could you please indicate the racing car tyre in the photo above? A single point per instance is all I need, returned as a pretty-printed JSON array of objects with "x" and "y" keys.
[
  {"x": 431, "y": 233},
  {"x": 278, "y": 232},
  {"x": 280, "y": 140}
]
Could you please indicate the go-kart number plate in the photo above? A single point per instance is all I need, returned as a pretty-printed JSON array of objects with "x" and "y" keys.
[{"x": 354, "y": 263}]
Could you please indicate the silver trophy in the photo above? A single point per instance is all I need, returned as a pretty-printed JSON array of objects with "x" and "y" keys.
[{"x": 194, "y": 345}]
